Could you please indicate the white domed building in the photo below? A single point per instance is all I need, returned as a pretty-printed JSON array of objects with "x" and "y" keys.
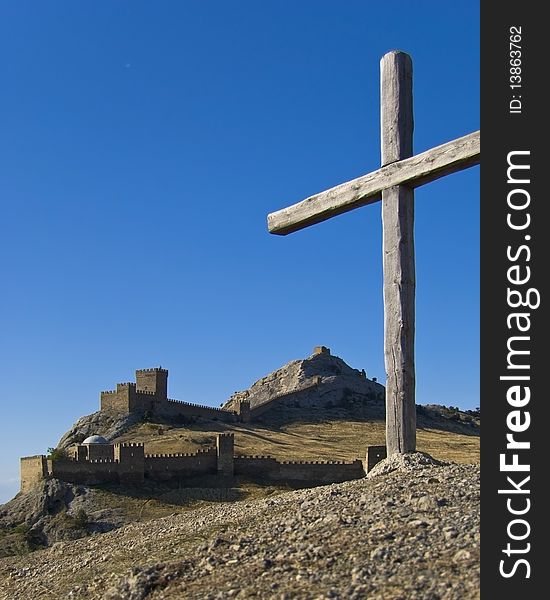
[
  {"x": 94, "y": 439},
  {"x": 94, "y": 447}
]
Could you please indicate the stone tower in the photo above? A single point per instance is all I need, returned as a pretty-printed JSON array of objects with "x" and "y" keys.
[
  {"x": 153, "y": 380},
  {"x": 243, "y": 408},
  {"x": 131, "y": 462},
  {"x": 321, "y": 350},
  {"x": 374, "y": 455},
  {"x": 225, "y": 447}
]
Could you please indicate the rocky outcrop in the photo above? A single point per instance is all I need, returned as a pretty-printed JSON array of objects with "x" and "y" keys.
[
  {"x": 105, "y": 424},
  {"x": 46, "y": 498},
  {"x": 319, "y": 381},
  {"x": 52, "y": 511}
]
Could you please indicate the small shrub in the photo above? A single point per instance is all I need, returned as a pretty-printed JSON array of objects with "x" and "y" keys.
[
  {"x": 21, "y": 528},
  {"x": 57, "y": 453},
  {"x": 81, "y": 519}
]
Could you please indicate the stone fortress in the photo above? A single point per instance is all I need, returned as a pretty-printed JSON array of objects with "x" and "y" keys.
[
  {"x": 149, "y": 394},
  {"x": 96, "y": 461}
]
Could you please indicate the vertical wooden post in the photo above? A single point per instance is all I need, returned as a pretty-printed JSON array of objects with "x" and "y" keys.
[{"x": 398, "y": 250}]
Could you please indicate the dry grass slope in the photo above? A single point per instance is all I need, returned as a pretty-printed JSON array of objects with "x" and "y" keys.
[{"x": 311, "y": 437}]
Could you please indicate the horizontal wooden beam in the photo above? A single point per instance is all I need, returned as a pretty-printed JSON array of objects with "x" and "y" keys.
[{"x": 415, "y": 171}]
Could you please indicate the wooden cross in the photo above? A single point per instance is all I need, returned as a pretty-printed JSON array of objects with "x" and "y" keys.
[{"x": 394, "y": 184}]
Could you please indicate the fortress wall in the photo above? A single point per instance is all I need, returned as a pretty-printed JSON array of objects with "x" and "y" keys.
[
  {"x": 95, "y": 451},
  {"x": 131, "y": 465},
  {"x": 168, "y": 466},
  {"x": 127, "y": 399},
  {"x": 33, "y": 470},
  {"x": 321, "y": 472},
  {"x": 149, "y": 393},
  {"x": 256, "y": 411},
  {"x": 110, "y": 402},
  {"x": 123, "y": 399},
  {"x": 328, "y": 393},
  {"x": 145, "y": 400},
  {"x": 186, "y": 409},
  {"x": 93, "y": 472},
  {"x": 298, "y": 471},
  {"x": 256, "y": 466}
]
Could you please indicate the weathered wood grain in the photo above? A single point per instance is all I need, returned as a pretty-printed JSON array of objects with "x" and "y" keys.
[
  {"x": 418, "y": 170},
  {"x": 398, "y": 255},
  {"x": 396, "y": 107},
  {"x": 399, "y": 318}
]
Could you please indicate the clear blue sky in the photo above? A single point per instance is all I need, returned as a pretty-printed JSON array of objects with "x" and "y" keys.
[{"x": 142, "y": 146}]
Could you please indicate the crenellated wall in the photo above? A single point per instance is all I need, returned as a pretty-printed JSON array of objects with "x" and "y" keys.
[
  {"x": 150, "y": 394},
  {"x": 257, "y": 467},
  {"x": 112, "y": 401},
  {"x": 131, "y": 462},
  {"x": 99, "y": 451},
  {"x": 267, "y": 467},
  {"x": 187, "y": 409},
  {"x": 127, "y": 463},
  {"x": 91, "y": 472},
  {"x": 154, "y": 381},
  {"x": 179, "y": 466},
  {"x": 294, "y": 395},
  {"x": 321, "y": 472}
]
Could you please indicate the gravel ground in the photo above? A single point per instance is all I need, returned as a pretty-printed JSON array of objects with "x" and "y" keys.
[{"x": 409, "y": 530}]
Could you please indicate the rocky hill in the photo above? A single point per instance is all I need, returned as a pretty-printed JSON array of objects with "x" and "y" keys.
[
  {"x": 319, "y": 381},
  {"x": 410, "y": 529}
]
